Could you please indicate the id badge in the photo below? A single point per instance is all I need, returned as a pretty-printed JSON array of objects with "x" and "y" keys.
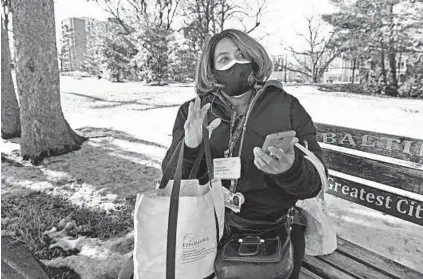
[
  {"x": 233, "y": 201},
  {"x": 227, "y": 168}
]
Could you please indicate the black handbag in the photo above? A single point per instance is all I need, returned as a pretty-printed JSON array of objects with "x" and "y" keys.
[{"x": 255, "y": 249}]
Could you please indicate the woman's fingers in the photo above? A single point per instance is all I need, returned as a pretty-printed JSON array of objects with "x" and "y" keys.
[
  {"x": 197, "y": 106},
  {"x": 259, "y": 163},
  {"x": 277, "y": 152},
  {"x": 291, "y": 147},
  {"x": 190, "y": 111},
  {"x": 258, "y": 152},
  {"x": 294, "y": 141},
  {"x": 195, "y": 112}
]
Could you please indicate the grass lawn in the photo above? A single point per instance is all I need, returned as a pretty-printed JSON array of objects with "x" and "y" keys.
[{"x": 75, "y": 211}]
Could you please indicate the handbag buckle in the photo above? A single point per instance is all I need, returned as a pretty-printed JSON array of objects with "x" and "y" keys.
[{"x": 250, "y": 246}]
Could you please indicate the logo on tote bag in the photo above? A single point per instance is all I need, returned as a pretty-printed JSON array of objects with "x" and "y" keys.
[
  {"x": 196, "y": 248},
  {"x": 189, "y": 240}
]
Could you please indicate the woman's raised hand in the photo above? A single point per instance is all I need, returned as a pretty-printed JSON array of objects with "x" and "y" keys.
[{"x": 194, "y": 123}]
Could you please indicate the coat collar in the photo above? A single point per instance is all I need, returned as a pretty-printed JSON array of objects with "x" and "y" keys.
[{"x": 220, "y": 107}]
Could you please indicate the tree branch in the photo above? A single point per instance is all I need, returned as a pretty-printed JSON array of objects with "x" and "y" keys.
[
  {"x": 298, "y": 71},
  {"x": 174, "y": 12},
  {"x": 296, "y": 52},
  {"x": 115, "y": 14},
  {"x": 325, "y": 65},
  {"x": 302, "y": 64},
  {"x": 258, "y": 16}
]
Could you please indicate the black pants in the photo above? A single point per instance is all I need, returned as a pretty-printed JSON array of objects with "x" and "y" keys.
[{"x": 298, "y": 242}]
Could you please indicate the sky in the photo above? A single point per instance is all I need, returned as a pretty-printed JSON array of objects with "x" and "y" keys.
[{"x": 282, "y": 19}]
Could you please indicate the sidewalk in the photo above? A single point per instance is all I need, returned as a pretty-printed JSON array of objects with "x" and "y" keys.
[{"x": 17, "y": 262}]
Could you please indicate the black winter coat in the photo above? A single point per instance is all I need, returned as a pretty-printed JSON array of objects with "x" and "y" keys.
[{"x": 267, "y": 196}]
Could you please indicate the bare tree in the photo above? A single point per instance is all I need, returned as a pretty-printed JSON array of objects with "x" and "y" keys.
[
  {"x": 115, "y": 8},
  {"x": 10, "y": 122},
  {"x": 159, "y": 12},
  {"x": 204, "y": 18},
  {"x": 257, "y": 16},
  {"x": 45, "y": 131},
  {"x": 320, "y": 51}
]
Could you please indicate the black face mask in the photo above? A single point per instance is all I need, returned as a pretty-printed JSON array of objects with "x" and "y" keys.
[{"x": 237, "y": 80}]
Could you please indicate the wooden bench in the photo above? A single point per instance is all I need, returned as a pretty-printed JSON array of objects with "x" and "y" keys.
[{"x": 380, "y": 171}]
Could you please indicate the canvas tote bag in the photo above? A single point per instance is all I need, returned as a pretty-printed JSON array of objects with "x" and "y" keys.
[
  {"x": 320, "y": 234},
  {"x": 178, "y": 225}
]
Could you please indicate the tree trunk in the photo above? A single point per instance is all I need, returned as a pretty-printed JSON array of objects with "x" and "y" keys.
[
  {"x": 45, "y": 131},
  {"x": 392, "y": 53},
  {"x": 393, "y": 65},
  {"x": 400, "y": 76},
  {"x": 313, "y": 73},
  {"x": 353, "y": 70},
  {"x": 382, "y": 57},
  {"x": 10, "y": 122}
]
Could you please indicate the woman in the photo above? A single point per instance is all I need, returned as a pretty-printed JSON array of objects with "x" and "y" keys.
[{"x": 229, "y": 73}]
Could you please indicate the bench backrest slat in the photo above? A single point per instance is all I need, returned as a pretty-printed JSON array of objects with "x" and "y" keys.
[
  {"x": 380, "y": 171},
  {"x": 393, "y": 175},
  {"x": 404, "y": 148},
  {"x": 393, "y": 204}
]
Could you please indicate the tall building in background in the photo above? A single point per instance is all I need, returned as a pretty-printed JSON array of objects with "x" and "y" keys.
[{"x": 75, "y": 33}]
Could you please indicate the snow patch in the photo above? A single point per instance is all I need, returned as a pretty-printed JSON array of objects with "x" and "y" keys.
[
  {"x": 97, "y": 259},
  {"x": 386, "y": 235}
]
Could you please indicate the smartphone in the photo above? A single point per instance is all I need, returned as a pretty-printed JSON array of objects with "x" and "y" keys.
[{"x": 281, "y": 140}]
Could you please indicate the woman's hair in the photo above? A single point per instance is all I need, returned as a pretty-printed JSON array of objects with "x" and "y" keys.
[{"x": 205, "y": 81}]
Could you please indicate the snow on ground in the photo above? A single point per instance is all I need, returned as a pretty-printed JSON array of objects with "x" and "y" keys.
[
  {"x": 132, "y": 126},
  {"x": 96, "y": 259},
  {"x": 391, "y": 237},
  {"x": 379, "y": 114}
]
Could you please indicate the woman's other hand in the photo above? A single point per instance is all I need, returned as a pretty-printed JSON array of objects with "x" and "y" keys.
[
  {"x": 194, "y": 123},
  {"x": 277, "y": 161}
]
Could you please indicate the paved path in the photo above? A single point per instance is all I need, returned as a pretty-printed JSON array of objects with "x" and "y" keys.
[{"x": 17, "y": 262}]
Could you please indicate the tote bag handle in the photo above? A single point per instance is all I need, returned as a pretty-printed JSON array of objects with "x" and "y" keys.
[{"x": 178, "y": 156}]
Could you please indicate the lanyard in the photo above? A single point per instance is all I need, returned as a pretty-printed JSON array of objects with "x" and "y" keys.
[{"x": 237, "y": 128}]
